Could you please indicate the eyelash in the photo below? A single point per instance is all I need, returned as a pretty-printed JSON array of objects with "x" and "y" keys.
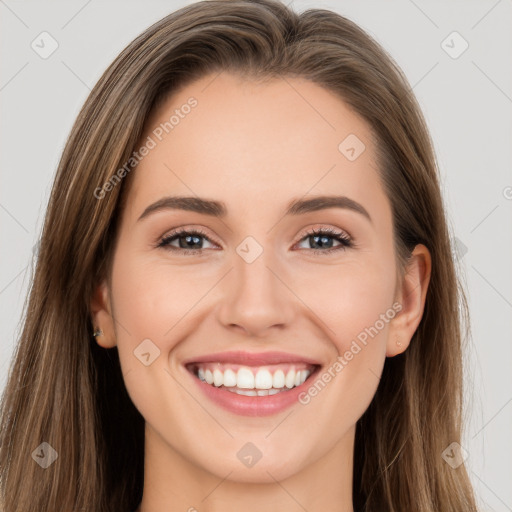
[{"x": 345, "y": 241}]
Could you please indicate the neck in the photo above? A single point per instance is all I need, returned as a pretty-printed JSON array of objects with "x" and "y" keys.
[{"x": 173, "y": 483}]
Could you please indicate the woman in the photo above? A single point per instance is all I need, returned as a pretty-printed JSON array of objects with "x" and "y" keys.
[{"x": 245, "y": 294}]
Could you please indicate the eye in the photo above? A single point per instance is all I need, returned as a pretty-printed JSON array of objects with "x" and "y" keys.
[
  {"x": 321, "y": 238},
  {"x": 188, "y": 241}
]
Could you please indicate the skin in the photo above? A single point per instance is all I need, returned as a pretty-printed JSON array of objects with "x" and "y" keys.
[{"x": 255, "y": 146}]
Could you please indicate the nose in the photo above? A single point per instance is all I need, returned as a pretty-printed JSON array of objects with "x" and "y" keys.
[{"x": 256, "y": 297}]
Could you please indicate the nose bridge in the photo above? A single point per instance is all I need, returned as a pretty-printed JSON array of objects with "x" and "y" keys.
[
  {"x": 255, "y": 276},
  {"x": 255, "y": 297}
]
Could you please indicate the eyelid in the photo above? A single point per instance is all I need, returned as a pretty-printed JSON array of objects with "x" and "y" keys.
[
  {"x": 307, "y": 231},
  {"x": 334, "y": 231},
  {"x": 187, "y": 229},
  {"x": 344, "y": 240}
]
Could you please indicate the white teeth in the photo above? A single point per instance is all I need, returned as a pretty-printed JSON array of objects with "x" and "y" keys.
[
  {"x": 247, "y": 392},
  {"x": 278, "y": 379},
  {"x": 290, "y": 379},
  {"x": 263, "y": 380},
  {"x": 244, "y": 380},
  {"x": 218, "y": 378},
  {"x": 229, "y": 378},
  {"x": 255, "y": 392}
]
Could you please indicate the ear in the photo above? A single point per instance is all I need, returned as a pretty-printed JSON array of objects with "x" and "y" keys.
[
  {"x": 410, "y": 295},
  {"x": 102, "y": 316}
]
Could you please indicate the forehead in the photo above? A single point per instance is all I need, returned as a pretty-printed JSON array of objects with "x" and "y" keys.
[{"x": 254, "y": 144}]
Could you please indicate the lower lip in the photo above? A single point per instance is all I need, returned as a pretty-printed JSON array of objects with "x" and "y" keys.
[{"x": 253, "y": 405}]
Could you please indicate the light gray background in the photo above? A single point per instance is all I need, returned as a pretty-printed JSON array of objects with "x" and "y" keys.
[{"x": 467, "y": 102}]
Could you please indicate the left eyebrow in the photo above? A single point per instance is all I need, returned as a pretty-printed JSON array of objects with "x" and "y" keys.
[
  {"x": 301, "y": 206},
  {"x": 219, "y": 209}
]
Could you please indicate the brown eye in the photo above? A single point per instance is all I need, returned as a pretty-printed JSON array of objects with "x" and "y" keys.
[{"x": 188, "y": 241}]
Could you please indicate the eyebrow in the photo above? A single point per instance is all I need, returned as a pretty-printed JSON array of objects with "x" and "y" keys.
[{"x": 219, "y": 209}]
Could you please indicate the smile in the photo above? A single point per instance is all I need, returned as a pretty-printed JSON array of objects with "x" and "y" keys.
[
  {"x": 253, "y": 381},
  {"x": 251, "y": 384}
]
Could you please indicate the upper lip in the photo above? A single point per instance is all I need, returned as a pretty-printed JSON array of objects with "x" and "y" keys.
[{"x": 251, "y": 358}]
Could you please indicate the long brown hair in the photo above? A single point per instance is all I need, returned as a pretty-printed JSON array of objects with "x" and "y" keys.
[{"x": 65, "y": 390}]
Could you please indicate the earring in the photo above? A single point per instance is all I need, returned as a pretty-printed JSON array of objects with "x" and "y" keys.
[{"x": 97, "y": 332}]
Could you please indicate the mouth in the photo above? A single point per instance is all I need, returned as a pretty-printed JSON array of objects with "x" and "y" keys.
[
  {"x": 246, "y": 380},
  {"x": 252, "y": 384}
]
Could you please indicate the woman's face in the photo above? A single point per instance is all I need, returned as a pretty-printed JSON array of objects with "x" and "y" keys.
[{"x": 256, "y": 280}]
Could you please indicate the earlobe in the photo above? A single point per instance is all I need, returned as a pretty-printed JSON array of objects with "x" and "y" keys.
[
  {"x": 411, "y": 295},
  {"x": 101, "y": 316}
]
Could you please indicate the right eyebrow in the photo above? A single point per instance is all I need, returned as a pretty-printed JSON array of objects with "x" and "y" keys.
[{"x": 192, "y": 204}]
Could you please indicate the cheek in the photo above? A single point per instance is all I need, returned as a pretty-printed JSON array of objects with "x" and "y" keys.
[
  {"x": 348, "y": 298},
  {"x": 355, "y": 305},
  {"x": 151, "y": 297},
  {"x": 150, "y": 302},
  {"x": 147, "y": 303}
]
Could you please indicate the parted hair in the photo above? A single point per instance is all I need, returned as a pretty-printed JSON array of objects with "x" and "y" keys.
[{"x": 65, "y": 390}]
